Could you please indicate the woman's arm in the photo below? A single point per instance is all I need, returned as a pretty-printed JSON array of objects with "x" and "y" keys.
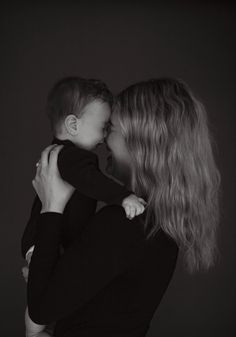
[
  {"x": 57, "y": 286},
  {"x": 28, "y": 236},
  {"x": 34, "y": 330}
]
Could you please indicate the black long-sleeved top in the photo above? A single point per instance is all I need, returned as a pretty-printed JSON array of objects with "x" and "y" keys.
[
  {"x": 109, "y": 281},
  {"x": 80, "y": 168}
]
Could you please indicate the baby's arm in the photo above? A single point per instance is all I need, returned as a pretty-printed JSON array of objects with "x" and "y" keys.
[{"x": 80, "y": 168}]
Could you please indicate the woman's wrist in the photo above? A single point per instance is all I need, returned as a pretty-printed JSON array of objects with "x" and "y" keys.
[{"x": 52, "y": 208}]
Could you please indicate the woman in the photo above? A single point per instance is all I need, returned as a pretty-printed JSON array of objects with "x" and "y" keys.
[{"x": 111, "y": 280}]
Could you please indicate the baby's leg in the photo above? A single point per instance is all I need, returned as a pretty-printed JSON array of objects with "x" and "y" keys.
[{"x": 33, "y": 329}]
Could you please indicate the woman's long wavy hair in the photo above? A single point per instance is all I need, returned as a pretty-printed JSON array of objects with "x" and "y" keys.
[{"x": 173, "y": 167}]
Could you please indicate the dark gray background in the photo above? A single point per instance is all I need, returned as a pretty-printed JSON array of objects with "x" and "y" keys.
[{"x": 120, "y": 43}]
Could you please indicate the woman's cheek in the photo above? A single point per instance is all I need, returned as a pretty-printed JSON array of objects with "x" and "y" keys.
[{"x": 110, "y": 141}]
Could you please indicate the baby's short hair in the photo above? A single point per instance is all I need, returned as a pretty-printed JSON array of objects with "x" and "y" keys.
[{"x": 71, "y": 94}]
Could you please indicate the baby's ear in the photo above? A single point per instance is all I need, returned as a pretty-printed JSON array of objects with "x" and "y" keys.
[{"x": 71, "y": 125}]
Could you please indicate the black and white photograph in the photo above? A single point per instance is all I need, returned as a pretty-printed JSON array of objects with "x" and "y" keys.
[{"x": 118, "y": 168}]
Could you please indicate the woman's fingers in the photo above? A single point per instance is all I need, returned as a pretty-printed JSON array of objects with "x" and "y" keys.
[
  {"x": 54, "y": 156},
  {"x": 33, "y": 183},
  {"x": 42, "y": 164},
  {"x": 45, "y": 155},
  {"x": 25, "y": 272},
  {"x": 48, "y": 157}
]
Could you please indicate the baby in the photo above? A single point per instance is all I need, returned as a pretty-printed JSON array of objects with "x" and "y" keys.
[{"x": 79, "y": 111}]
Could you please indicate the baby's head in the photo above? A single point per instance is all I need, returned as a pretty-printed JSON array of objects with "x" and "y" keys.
[{"x": 79, "y": 110}]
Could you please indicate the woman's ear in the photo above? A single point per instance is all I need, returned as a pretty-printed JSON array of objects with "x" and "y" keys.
[{"x": 71, "y": 124}]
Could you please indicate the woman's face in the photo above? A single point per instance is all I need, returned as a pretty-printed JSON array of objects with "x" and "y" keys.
[{"x": 118, "y": 163}]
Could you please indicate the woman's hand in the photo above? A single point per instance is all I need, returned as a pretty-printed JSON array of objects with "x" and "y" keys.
[
  {"x": 53, "y": 192},
  {"x": 25, "y": 272}
]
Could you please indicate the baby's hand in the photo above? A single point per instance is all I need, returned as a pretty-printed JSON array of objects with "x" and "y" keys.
[{"x": 133, "y": 206}]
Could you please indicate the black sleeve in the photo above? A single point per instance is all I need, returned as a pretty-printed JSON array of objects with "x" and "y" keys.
[
  {"x": 28, "y": 237},
  {"x": 80, "y": 168},
  {"x": 57, "y": 286}
]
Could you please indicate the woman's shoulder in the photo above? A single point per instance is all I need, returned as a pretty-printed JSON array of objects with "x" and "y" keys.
[
  {"x": 111, "y": 226},
  {"x": 113, "y": 218}
]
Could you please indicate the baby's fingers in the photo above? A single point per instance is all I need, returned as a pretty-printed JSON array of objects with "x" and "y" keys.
[
  {"x": 140, "y": 210},
  {"x": 142, "y": 201},
  {"x": 132, "y": 212},
  {"x": 128, "y": 211}
]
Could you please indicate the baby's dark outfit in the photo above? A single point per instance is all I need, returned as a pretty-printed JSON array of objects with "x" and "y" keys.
[{"x": 80, "y": 168}]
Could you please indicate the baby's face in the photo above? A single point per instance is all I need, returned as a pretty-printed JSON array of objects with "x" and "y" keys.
[{"x": 93, "y": 124}]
